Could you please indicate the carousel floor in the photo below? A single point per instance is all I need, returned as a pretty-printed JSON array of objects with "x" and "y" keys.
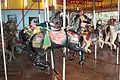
[{"x": 104, "y": 68}]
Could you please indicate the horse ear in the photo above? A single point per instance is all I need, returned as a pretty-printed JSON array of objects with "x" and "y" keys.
[{"x": 78, "y": 15}]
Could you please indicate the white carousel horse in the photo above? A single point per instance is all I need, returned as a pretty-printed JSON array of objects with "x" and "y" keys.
[
  {"x": 112, "y": 34},
  {"x": 90, "y": 35}
]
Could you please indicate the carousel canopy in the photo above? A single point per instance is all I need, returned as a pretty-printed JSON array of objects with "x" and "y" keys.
[{"x": 104, "y": 5}]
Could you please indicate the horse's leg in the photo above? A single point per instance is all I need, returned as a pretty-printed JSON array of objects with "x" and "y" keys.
[
  {"x": 73, "y": 56},
  {"x": 84, "y": 43},
  {"x": 88, "y": 42},
  {"x": 13, "y": 48},
  {"x": 87, "y": 46},
  {"x": 64, "y": 50},
  {"x": 114, "y": 36},
  {"x": 106, "y": 40},
  {"x": 119, "y": 38},
  {"x": 101, "y": 43},
  {"x": 10, "y": 55},
  {"x": 82, "y": 56}
]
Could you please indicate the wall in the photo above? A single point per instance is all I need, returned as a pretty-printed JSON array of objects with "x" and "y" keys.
[
  {"x": 5, "y": 14},
  {"x": 34, "y": 13},
  {"x": 19, "y": 4},
  {"x": 105, "y": 16},
  {"x": 31, "y": 13}
]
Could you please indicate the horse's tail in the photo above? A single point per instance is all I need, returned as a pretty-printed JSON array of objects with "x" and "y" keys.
[
  {"x": 81, "y": 40},
  {"x": 107, "y": 30},
  {"x": 20, "y": 34}
]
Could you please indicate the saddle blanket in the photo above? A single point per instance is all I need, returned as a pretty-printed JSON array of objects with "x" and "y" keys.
[
  {"x": 58, "y": 37},
  {"x": 83, "y": 25},
  {"x": 88, "y": 36}
]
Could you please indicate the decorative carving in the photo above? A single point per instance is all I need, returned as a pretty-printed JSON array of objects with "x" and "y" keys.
[
  {"x": 2, "y": 1},
  {"x": 12, "y": 17},
  {"x": 37, "y": 0}
]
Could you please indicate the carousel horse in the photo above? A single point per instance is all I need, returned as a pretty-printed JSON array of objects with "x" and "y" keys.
[
  {"x": 26, "y": 33},
  {"x": 56, "y": 21},
  {"x": 112, "y": 30},
  {"x": 10, "y": 39},
  {"x": 7, "y": 52},
  {"x": 55, "y": 39},
  {"x": 55, "y": 24},
  {"x": 74, "y": 22},
  {"x": 57, "y": 18},
  {"x": 90, "y": 34},
  {"x": 31, "y": 29},
  {"x": 48, "y": 39},
  {"x": 85, "y": 32},
  {"x": 100, "y": 33}
]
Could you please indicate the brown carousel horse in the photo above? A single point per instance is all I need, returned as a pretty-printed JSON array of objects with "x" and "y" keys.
[
  {"x": 10, "y": 39},
  {"x": 82, "y": 24}
]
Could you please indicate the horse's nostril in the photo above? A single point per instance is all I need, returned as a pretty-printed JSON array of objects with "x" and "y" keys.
[{"x": 56, "y": 22}]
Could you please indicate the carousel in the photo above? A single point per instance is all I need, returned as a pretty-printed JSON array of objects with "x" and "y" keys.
[{"x": 59, "y": 39}]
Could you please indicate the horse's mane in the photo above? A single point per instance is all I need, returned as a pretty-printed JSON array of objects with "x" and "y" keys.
[
  {"x": 55, "y": 14},
  {"x": 74, "y": 21}
]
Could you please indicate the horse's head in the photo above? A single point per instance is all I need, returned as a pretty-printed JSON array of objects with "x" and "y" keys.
[
  {"x": 74, "y": 21},
  {"x": 73, "y": 41},
  {"x": 112, "y": 22},
  {"x": 56, "y": 18},
  {"x": 73, "y": 18}
]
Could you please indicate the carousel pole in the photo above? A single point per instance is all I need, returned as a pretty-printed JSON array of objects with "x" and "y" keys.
[
  {"x": 94, "y": 17},
  {"x": 117, "y": 60},
  {"x": 64, "y": 13},
  {"x": 47, "y": 11},
  {"x": 46, "y": 55},
  {"x": 39, "y": 11},
  {"x": 118, "y": 10},
  {"x": 77, "y": 5},
  {"x": 4, "y": 11},
  {"x": 101, "y": 7},
  {"x": 94, "y": 23},
  {"x": 3, "y": 45},
  {"x": 111, "y": 5},
  {"x": 47, "y": 20},
  {"x": 86, "y": 5},
  {"x": 54, "y": 4},
  {"x": 64, "y": 19}
]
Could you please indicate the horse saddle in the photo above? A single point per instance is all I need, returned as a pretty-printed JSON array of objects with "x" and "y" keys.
[
  {"x": 31, "y": 30},
  {"x": 58, "y": 37}
]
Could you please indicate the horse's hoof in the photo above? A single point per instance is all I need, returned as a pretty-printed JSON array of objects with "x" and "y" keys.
[
  {"x": 114, "y": 50},
  {"x": 71, "y": 58},
  {"x": 9, "y": 60},
  {"x": 14, "y": 58},
  {"x": 81, "y": 63}
]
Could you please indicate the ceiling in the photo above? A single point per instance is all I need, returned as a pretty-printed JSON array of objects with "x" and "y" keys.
[{"x": 105, "y": 5}]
